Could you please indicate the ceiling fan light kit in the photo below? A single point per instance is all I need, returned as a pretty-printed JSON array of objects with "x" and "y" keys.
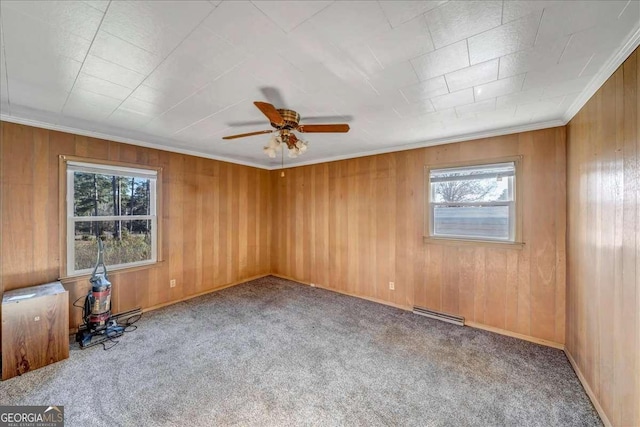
[
  {"x": 296, "y": 146},
  {"x": 285, "y": 122}
]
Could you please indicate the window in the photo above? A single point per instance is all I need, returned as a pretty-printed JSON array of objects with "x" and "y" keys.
[
  {"x": 473, "y": 202},
  {"x": 113, "y": 203}
]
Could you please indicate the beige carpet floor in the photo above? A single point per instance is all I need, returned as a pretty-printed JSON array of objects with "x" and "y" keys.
[{"x": 273, "y": 352}]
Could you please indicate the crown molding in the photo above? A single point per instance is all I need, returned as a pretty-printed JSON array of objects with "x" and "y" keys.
[
  {"x": 428, "y": 143},
  {"x": 432, "y": 142},
  {"x": 615, "y": 61},
  {"x": 115, "y": 138}
]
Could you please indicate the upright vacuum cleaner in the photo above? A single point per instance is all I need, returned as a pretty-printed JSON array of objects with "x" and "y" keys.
[{"x": 98, "y": 326}]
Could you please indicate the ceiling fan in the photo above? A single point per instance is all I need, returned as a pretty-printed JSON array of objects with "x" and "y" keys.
[{"x": 284, "y": 123}]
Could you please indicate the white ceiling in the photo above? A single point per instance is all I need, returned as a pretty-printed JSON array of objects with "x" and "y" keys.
[{"x": 179, "y": 75}]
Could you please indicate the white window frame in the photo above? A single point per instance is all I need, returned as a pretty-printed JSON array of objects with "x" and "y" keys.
[
  {"x": 72, "y": 166},
  {"x": 514, "y": 204}
]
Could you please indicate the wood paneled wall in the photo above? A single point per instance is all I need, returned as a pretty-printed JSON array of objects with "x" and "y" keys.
[
  {"x": 355, "y": 225},
  {"x": 603, "y": 291},
  {"x": 215, "y": 221}
]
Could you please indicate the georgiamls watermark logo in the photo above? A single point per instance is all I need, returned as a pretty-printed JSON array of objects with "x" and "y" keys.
[{"x": 31, "y": 416}]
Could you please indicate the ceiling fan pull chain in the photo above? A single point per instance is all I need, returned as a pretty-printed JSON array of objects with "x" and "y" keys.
[{"x": 282, "y": 164}]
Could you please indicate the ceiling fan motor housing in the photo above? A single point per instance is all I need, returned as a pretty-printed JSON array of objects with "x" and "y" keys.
[{"x": 291, "y": 119}]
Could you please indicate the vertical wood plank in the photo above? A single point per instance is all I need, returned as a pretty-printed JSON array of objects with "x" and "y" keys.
[
  {"x": 603, "y": 326},
  {"x": 495, "y": 292}
]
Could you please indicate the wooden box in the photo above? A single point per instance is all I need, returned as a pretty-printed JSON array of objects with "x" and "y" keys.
[{"x": 35, "y": 328}]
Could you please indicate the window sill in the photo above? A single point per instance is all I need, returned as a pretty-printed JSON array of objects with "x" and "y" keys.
[
  {"x": 469, "y": 242},
  {"x": 79, "y": 277}
]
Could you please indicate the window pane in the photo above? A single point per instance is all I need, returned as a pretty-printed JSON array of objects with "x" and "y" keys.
[
  {"x": 472, "y": 221},
  {"x": 124, "y": 241},
  {"x": 110, "y": 195},
  {"x": 487, "y": 183}
]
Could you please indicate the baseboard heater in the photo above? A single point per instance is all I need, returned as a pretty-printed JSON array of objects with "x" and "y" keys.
[{"x": 449, "y": 318}]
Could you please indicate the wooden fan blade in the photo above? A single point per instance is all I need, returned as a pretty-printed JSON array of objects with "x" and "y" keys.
[
  {"x": 324, "y": 128},
  {"x": 271, "y": 112},
  {"x": 242, "y": 135}
]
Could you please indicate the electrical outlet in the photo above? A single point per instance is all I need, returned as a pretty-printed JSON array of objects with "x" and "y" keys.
[
  {"x": 172, "y": 283},
  {"x": 392, "y": 286},
  {"x": 312, "y": 285}
]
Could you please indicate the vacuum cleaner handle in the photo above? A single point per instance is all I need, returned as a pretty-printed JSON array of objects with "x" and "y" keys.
[{"x": 100, "y": 261}]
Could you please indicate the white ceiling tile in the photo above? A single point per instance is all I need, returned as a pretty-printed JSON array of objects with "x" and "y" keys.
[
  {"x": 361, "y": 56},
  {"x": 25, "y": 34},
  {"x": 156, "y": 26},
  {"x": 630, "y": 15},
  {"x": 470, "y": 110},
  {"x": 378, "y": 116},
  {"x": 181, "y": 16},
  {"x": 426, "y": 89},
  {"x": 346, "y": 22},
  {"x": 4, "y": 88},
  {"x": 512, "y": 10},
  {"x": 102, "y": 87},
  {"x": 161, "y": 42},
  {"x": 564, "y": 71},
  {"x": 89, "y": 106},
  {"x": 566, "y": 87},
  {"x": 442, "y": 61},
  {"x": 344, "y": 78},
  {"x": 523, "y": 97},
  {"x": 399, "y": 12},
  {"x": 308, "y": 44},
  {"x": 228, "y": 90},
  {"x": 128, "y": 119},
  {"x": 288, "y": 15},
  {"x": 454, "y": 99},
  {"x": 505, "y": 39},
  {"x": 98, "y": 67},
  {"x": 44, "y": 98},
  {"x": 499, "y": 87},
  {"x": 141, "y": 107},
  {"x": 503, "y": 115},
  {"x": 179, "y": 74},
  {"x": 3, "y": 67},
  {"x": 164, "y": 100},
  {"x": 58, "y": 73},
  {"x": 214, "y": 127},
  {"x": 539, "y": 106},
  {"x": 326, "y": 78},
  {"x": 121, "y": 52},
  {"x": 402, "y": 43},
  {"x": 603, "y": 38},
  {"x": 273, "y": 70},
  {"x": 394, "y": 77},
  {"x": 564, "y": 18},
  {"x": 484, "y": 72},
  {"x": 210, "y": 51},
  {"x": 414, "y": 109},
  {"x": 538, "y": 57},
  {"x": 457, "y": 20},
  {"x": 446, "y": 115},
  {"x": 77, "y": 17},
  {"x": 596, "y": 63},
  {"x": 244, "y": 25},
  {"x": 100, "y": 5}
]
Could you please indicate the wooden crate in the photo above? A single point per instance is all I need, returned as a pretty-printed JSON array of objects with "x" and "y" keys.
[{"x": 35, "y": 328}]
